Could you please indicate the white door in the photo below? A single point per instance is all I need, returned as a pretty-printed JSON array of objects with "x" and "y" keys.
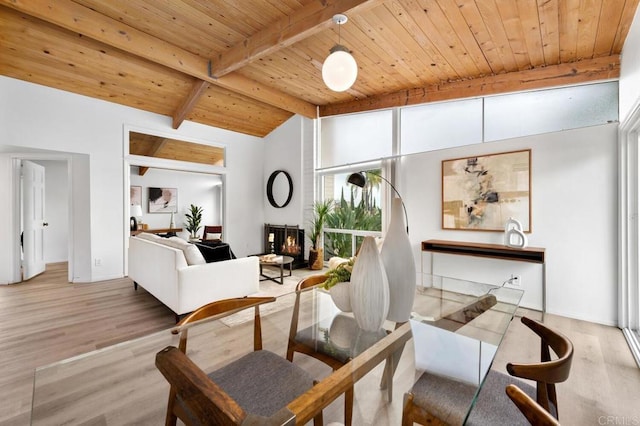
[{"x": 33, "y": 219}]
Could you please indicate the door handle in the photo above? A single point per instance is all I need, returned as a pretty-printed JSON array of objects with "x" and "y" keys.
[{"x": 45, "y": 223}]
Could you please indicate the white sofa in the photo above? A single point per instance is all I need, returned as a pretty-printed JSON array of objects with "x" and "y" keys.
[{"x": 160, "y": 266}]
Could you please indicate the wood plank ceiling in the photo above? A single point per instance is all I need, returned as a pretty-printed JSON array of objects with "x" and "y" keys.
[{"x": 248, "y": 66}]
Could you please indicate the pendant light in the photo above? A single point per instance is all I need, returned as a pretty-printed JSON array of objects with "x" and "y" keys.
[{"x": 339, "y": 70}]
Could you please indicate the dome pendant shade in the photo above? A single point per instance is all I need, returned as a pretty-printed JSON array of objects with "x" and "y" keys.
[{"x": 339, "y": 70}]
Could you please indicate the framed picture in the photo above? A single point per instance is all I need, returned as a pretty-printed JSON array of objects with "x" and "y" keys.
[
  {"x": 481, "y": 193},
  {"x": 163, "y": 200},
  {"x": 136, "y": 196}
]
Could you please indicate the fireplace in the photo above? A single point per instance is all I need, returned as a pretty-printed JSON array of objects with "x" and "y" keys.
[{"x": 286, "y": 240}]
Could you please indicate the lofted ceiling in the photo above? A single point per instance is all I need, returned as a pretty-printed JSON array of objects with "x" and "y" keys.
[{"x": 249, "y": 65}]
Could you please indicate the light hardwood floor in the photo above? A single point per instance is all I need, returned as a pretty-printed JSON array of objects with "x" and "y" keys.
[{"x": 47, "y": 320}]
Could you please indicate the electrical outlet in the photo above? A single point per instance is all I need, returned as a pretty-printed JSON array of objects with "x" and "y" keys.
[
  {"x": 98, "y": 262},
  {"x": 515, "y": 280}
]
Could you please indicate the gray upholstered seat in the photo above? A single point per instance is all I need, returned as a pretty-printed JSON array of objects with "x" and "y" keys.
[
  {"x": 449, "y": 399},
  {"x": 494, "y": 407},
  {"x": 262, "y": 382}
]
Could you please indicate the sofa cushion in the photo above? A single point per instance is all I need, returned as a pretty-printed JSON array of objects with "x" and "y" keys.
[
  {"x": 215, "y": 252},
  {"x": 191, "y": 253},
  {"x": 148, "y": 236}
]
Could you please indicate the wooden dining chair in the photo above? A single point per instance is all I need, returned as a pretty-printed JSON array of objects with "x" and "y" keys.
[
  {"x": 215, "y": 231},
  {"x": 492, "y": 406},
  {"x": 303, "y": 341},
  {"x": 535, "y": 414},
  {"x": 254, "y": 388}
]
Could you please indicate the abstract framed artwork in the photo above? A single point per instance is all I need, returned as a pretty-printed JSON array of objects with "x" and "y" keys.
[
  {"x": 481, "y": 193},
  {"x": 136, "y": 196},
  {"x": 163, "y": 200}
]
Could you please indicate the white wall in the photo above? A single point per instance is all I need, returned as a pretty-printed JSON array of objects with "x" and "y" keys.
[
  {"x": 193, "y": 188},
  {"x": 284, "y": 151},
  {"x": 55, "y": 241},
  {"x": 630, "y": 70},
  {"x": 33, "y": 116},
  {"x": 574, "y": 217}
]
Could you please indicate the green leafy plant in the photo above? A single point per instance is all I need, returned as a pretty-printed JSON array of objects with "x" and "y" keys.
[
  {"x": 341, "y": 273},
  {"x": 320, "y": 211},
  {"x": 194, "y": 219}
]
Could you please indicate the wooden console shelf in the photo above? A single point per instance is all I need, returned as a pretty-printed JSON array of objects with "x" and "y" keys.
[
  {"x": 157, "y": 231},
  {"x": 496, "y": 251},
  {"x": 493, "y": 251}
]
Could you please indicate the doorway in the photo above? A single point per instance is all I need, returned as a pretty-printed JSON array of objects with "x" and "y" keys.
[{"x": 57, "y": 238}]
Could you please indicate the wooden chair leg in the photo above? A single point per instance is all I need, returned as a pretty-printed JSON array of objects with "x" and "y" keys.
[
  {"x": 407, "y": 419},
  {"x": 348, "y": 407},
  {"x": 170, "y": 419},
  {"x": 318, "y": 420}
]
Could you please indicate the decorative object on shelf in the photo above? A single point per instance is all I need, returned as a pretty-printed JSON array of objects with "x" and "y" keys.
[
  {"x": 369, "y": 287},
  {"x": 163, "y": 200},
  {"x": 171, "y": 222},
  {"x": 194, "y": 220},
  {"x": 479, "y": 192},
  {"x": 359, "y": 179},
  {"x": 271, "y": 243},
  {"x": 136, "y": 212},
  {"x": 514, "y": 235},
  {"x": 339, "y": 286},
  {"x": 399, "y": 265},
  {"x": 339, "y": 70},
  {"x": 316, "y": 252},
  {"x": 270, "y": 187}
]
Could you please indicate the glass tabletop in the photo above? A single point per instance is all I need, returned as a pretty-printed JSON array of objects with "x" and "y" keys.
[
  {"x": 457, "y": 327},
  {"x": 121, "y": 385}
]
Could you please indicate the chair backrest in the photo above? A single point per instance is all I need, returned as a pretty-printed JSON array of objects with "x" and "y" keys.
[
  {"x": 535, "y": 414},
  {"x": 222, "y": 308},
  {"x": 215, "y": 229},
  {"x": 548, "y": 372},
  {"x": 305, "y": 284}
]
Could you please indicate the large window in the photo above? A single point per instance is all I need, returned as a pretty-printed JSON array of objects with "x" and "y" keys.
[{"x": 356, "y": 212}]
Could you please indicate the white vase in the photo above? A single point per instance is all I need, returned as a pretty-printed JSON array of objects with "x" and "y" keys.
[
  {"x": 399, "y": 264},
  {"x": 369, "y": 288},
  {"x": 341, "y": 296},
  {"x": 343, "y": 331}
]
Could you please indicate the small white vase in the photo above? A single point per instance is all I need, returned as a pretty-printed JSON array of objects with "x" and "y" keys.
[
  {"x": 341, "y": 296},
  {"x": 343, "y": 331},
  {"x": 400, "y": 265},
  {"x": 369, "y": 288}
]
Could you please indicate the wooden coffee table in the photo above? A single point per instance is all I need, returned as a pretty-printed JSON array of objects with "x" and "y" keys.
[{"x": 279, "y": 261}]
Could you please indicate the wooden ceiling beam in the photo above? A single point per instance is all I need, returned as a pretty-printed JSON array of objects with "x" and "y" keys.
[
  {"x": 584, "y": 71},
  {"x": 155, "y": 148},
  {"x": 77, "y": 18},
  {"x": 199, "y": 87},
  {"x": 303, "y": 23}
]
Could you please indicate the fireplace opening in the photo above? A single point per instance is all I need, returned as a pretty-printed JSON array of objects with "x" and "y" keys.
[{"x": 286, "y": 240}]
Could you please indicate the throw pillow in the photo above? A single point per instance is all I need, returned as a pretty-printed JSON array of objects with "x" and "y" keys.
[
  {"x": 215, "y": 253},
  {"x": 191, "y": 253}
]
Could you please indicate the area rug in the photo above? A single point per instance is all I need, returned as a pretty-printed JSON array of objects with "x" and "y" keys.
[{"x": 268, "y": 289}]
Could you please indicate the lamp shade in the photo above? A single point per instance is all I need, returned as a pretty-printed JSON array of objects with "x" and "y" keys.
[
  {"x": 357, "y": 179},
  {"x": 136, "y": 210},
  {"x": 339, "y": 70}
]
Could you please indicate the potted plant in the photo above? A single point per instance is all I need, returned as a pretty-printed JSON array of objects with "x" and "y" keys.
[
  {"x": 338, "y": 283},
  {"x": 316, "y": 253},
  {"x": 194, "y": 218}
]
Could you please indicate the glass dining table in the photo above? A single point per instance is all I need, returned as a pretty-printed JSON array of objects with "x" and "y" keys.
[{"x": 455, "y": 330}]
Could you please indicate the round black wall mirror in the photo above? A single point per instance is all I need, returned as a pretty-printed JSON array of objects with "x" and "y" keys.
[{"x": 280, "y": 184}]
